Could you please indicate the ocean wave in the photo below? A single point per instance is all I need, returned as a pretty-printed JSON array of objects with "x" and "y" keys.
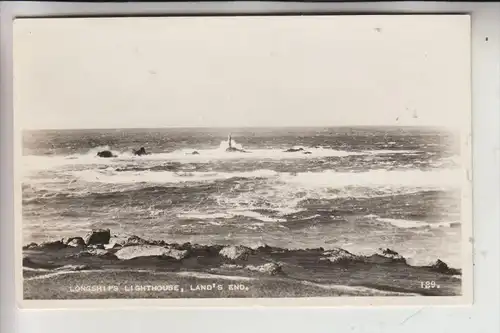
[{"x": 161, "y": 177}]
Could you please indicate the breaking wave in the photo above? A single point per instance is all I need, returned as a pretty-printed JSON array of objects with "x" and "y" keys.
[{"x": 193, "y": 155}]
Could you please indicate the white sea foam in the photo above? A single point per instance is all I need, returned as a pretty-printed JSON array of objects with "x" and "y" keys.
[
  {"x": 229, "y": 215},
  {"x": 412, "y": 224},
  {"x": 443, "y": 178}
]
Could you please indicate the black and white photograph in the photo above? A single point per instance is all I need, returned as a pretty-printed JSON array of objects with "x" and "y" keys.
[{"x": 244, "y": 157}]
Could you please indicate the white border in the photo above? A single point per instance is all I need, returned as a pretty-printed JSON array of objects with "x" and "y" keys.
[
  {"x": 466, "y": 246},
  {"x": 486, "y": 106}
]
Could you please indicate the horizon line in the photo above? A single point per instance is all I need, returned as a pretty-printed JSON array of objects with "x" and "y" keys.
[{"x": 226, "y": 127}]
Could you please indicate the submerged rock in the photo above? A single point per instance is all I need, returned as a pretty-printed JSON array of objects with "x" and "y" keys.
[
  {"x": 98, "y": 236},
  {"x": 235, "y": 150},
  {"x": 293, "y": 150},
  {"x": 235, "y": 252},
  {"x": 136, "y": 251}
]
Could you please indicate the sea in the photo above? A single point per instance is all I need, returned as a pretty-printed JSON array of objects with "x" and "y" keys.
[{"x": 357, "y": 188}]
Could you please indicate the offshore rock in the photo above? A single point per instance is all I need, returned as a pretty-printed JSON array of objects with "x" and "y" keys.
[{"x": 106, "y": 154}]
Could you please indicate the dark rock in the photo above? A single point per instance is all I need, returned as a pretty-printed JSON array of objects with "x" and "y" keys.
[
  {"x": 307, "y": 153},
  {"x": 106, "y": 154},
  {"x": 141, "y": 151},
  {"x": 195, "y": 153},
  {"x": 440, "y": 266},
  {"x": 293, "y": 150},
  {"x": 98, "y": 236}
]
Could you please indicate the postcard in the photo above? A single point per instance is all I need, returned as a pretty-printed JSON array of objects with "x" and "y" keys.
[{"x": 280, "y": 160}]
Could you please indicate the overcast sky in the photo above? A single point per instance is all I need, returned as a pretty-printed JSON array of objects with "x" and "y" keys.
[{"x": 242, "y": 71}]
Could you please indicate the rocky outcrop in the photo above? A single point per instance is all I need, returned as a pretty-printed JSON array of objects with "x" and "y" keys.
[
  {"x": 100, "y": 251},
  {"x": 75, "y": 242},
  {"x": 235, "y": 252},
  {"x": 57, "y": 245},
  {"x": 136, "y": 251},
  {"x": 98, "y": 237},
  {"x": 269, "y": 268}
]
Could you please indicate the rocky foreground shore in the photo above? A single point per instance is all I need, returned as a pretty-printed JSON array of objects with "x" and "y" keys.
[{"x": 101, "y": 265}]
